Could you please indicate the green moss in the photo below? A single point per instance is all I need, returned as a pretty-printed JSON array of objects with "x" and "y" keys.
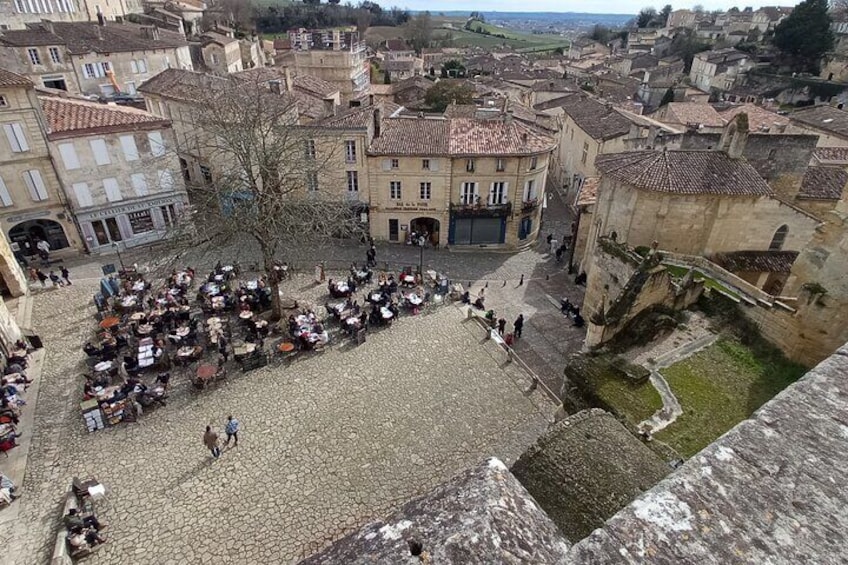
[
  {"x": 721, "y": 386},
  {"x": 709, "y": 282}
]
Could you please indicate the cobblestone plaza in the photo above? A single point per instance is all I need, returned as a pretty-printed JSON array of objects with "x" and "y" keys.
[{"x": 328, "y": 443}]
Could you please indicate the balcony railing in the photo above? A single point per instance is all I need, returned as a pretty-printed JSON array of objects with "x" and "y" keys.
[
  {"x": 481, "y": 209},
  {"x": 529, "y": 205}
]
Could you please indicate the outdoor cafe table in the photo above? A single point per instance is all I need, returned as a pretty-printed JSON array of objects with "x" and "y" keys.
[
  {"x": 246, "y": 315},
  {"x": 189, "y": 352},
  {"x": 138, "y": 316},
  {"x": 408, "y": 279},
  {"x": 110, "y": 322},
  {"x": 386, "y": 313},
  {"x": 103, "y": 366},
  {"x": 286, "y": 347},
  {"x": 129, "y": 301},
  {"x": 242, "y": 350},
  {"x": 145, "y": 329},
  {"x": 138, "y": 286},
  {"x": 414, "y": 299}
]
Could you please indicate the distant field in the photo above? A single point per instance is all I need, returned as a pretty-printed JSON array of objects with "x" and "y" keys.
[{"x": 378, "y": 34}]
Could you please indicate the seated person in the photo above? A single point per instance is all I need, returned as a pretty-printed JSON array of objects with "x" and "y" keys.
[
  {"x": 90, "y": 350},
  {"x": 465, "y": 298},
  {"x": 163, "y": 378},
  {"x": 490, "y": 315},
  {"x": 88, "y": 391},
  {"x": 82, "y": 538},
  {"x": 7, "y": 489},
  {"x": 363, "y": 318},
  {"x": 479, "y": 303},
  {"x": 579, "y": 322},
  {"x": 323, "y": 336},
  {"x": 10, "y": 409},
  {"x": 73, "y": 519}
]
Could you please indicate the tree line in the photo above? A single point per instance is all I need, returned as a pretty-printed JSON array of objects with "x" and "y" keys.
[{"x": 276, "y": 19}]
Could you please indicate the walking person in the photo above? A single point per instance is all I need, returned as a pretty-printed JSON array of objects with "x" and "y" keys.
[
  {"x": 66, "y": 275},
  {"x": 501, "y": 326},
  {"x": 518, "y": 325},
  {"x": 231, "y": 430},
  {"x": 210, "y": 439},
  {"x": 42, "y": 278},
  {"x": 222, "y": 348},
  {"x": 43, "y": 250},
  {"x": 54, "y": 278}
]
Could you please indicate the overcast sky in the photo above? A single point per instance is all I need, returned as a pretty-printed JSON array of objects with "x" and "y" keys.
[{"x": 586, "y": 6}]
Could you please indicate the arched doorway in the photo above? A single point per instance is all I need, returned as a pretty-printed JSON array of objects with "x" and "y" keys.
[
  {"x": 429, "y": 227},
  {"x": 27, "y": 235}
]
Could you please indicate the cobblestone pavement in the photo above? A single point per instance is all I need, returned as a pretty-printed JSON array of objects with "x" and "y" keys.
[{"x": 327, "y": 443}]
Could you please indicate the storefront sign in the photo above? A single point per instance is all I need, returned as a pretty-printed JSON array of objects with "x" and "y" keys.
[
  {"x": 25, "y": 217},
  {"x": 128, "y": 208},
  {"x": 410, "y": 207}
]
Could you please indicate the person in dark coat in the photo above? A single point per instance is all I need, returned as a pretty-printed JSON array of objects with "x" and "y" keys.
[{"x": 518, "y": 325}]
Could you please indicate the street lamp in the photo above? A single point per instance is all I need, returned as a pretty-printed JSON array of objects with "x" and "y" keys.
[
  {"x": 421, "y": 242},
  {"x": 118, "y": 251}
]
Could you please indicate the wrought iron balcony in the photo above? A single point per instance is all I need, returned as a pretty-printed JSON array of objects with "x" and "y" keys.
[
  {"x": 529, "y": 205},
  {"x": 481, "y": 209}
]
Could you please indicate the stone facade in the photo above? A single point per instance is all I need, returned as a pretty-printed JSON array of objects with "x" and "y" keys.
[
  {"x": 123, "y": 180},
  {"x": 33, "y": 205},
  {"x": 12, "y": 277},
  {"x": 345, "y": 66}
]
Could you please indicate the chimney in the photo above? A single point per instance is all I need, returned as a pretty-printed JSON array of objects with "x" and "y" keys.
[
  {"x": 508, "y": 117},
  {"x": 378, "y": 118},
  {"x": 275, "y": 86},
  {"x": 735, "y": 136},
  {"x": 287, "y": 74}
]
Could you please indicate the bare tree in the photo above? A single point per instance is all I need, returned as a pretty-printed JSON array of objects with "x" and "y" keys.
[{"x": 272, "y": 180}]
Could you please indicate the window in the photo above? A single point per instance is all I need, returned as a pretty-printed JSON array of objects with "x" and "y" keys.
[
  {"x": 105, "y": 67},
  {"x": 206, "y": 173},
  {"x": 83, "y": 194},
  {"x": 312, "y": 181},
  {"x": 394, "y": 190},
  {"x": 5, "y": 198},
  {"x": 214, "y": 58},
  {"x": 69, "y": 156},
  {"x": 55, "y": 82},
  {"x": 394, "y": 230},
  {"x": 352, "y": 181},
  {"x": 585, "y": 156},
  {"x": 468, "y": 193},
  {"x": 35, "y": 185},
  {"x": 140, "y": 222},
  {"x": 500, "y": 165},
  {"x": 133, "y": 66},
  {"x": 139, "y": 183},
  {"x": 3, "y": 102},
  {"x": 169, "y": 214},
  {"x": 88, "y": 71},
  {"x": 425, "y": 164},
  {"x": 166, "y": 180},
  {"x": 113, "y": 191},
  {"x": 534, "y": 162},
  {"x": 425, "y": 191},
  {"x": 779, "y": 238},
  {"x": 350, "y": 151},
  {"x": 395, "y": 164},
  {"x": 129, "y": 148},
  {"x": 497, "y": 193},
  {"x": 34, "y": 57},
  {"x": 142, "y": 65},
  {"x": 129, "y": 86},
  {"x": 16, "y": 137},
  {"x": 101, "y": 153},
  {"x": 310, "y": 149},
  {"x": 157, "y": 146},
  {"x": 469, "y": 165},
  {"x": 530, "y": 190},
  {"x": 55, "y": 56},
  {"x": 525, "y": 228}
]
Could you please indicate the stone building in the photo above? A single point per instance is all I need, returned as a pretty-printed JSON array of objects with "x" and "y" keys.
[
  {"x": 830, "y": 124},
  {"x": 464, "y": 181},
  {"x": 719, "y": 70},
  {"x": 220, "y": 54},
  {"x": 16, "y": 14},
  {"x": 32, "y": 204},
  {"x": 119, "y": 168},
  {"x": 700, "y": 117},
  {"x": 334, "y": 55},
  {"x": 92, "y": 59},
  {"x": 698, "y": 203}
]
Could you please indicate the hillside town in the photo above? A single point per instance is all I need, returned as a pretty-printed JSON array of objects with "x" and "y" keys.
[{"x": 466, "y": 293}]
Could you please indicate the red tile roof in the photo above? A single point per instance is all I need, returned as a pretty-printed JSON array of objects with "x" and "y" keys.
[
  {"x": 756, "y": 261},
  {"x": 66, "y": 115},
  {"x": 588, "y": 194},
  {"x": 823, "y": 183},
  {"x": 684, "y": 172},
  {"x": 831, "y": 154},
  {"x": 692, "y": 113},
  {"x": 759, "y": 119},
  {"x": 8, "y": 78}
]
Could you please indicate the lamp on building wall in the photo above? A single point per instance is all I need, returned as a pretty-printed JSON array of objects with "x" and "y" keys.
[{"x": 117, "y": 248}]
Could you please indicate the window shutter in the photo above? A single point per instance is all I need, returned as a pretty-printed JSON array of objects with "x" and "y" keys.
[
  {"x": 19, "y": 133},
  {"x": 35, "y": 185},
  {"x": 157, "y": 146},
  {"x": 434, "y": 164},
  {"x": 387, "y": 164},
  {"x": 101, "y": 154},
  {"x": 5, "y": 199},
  {"x": 69, "y": 156},
  {"x": 83, "y": 194},
  {"x": 139, "y": 183},
  {"x": 128, "y": 145},
  {"x": 113, "y": 191},
  {"x": 133, "y": 66},
  {"x": 16, "y": 137}
]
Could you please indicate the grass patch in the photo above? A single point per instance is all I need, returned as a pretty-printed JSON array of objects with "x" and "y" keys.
[
  {"x": 635, "y": 402},
  {"x": 680, "y": 272},
  {"x": 721, "y": 386}
]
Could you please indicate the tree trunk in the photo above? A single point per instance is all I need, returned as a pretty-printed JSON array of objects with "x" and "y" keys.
[{"x": 273, "y": 282}]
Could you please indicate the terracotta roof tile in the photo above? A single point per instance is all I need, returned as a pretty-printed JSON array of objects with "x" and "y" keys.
[
  {"x": 596, "y": 119},
  {"x": 496, "y": 137},
  {"x": 759, "y": 119},
  {"x": 65, "y": 115},
  {"x": 823, "y": 183},
  {"x": 412, "y": 136},
  {"x": 8, "y": 78},
  {"x": 756, "y": 261},
  {"x": 314, "y": 85},
  {"x": 692, "y": 113},
  {"x": 831, "y": 154},
  {"x": 684, "y": 172},
  {"x": 359, "y": 117},
  {"x": 85, "y": 37},
  {"x": 588, "y": 194}
]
